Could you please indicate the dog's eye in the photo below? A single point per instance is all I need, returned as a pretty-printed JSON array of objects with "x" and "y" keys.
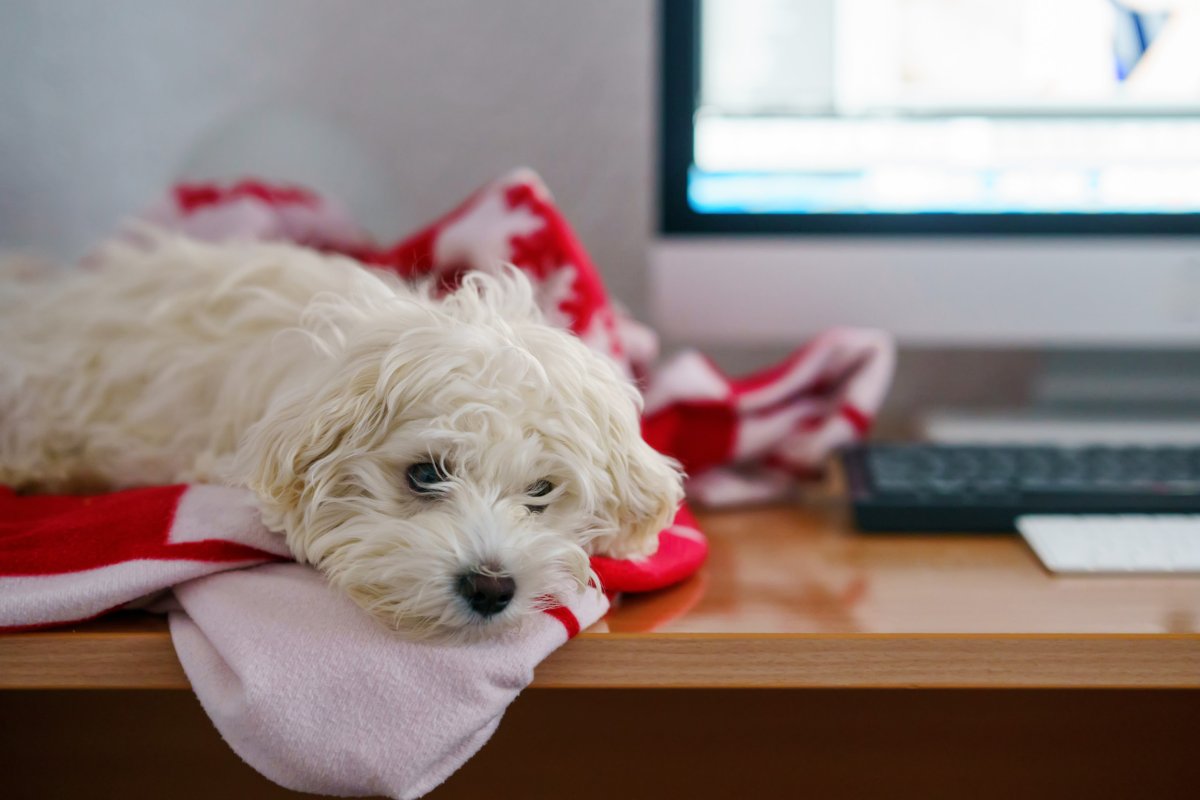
[
  {"x": 539, "y": 489},
  {"x": 424, "y": 477}
]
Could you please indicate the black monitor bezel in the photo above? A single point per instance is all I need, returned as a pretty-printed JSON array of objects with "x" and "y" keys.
[{"x": 679, "y": 28}]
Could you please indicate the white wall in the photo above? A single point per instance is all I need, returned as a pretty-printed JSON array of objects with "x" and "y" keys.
[{"x": 398, "y": 106}]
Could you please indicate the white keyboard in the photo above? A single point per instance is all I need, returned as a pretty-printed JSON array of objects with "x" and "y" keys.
[{"x": 1118, "y": 543}]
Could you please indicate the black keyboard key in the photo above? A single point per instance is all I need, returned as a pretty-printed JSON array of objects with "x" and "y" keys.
[{"x": 942, "y": 487}]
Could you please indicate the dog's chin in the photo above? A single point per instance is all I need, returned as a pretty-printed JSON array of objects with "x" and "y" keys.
[
  {"x": 433, "y": 611},
  {"x": 422, "y": 584},
  {"x": 478, "y": 628},
  {"x": 453, "y": 622}
]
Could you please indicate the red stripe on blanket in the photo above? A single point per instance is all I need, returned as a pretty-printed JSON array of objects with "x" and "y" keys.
[
  {"x": 700, "y": 434},
  {"x": 192, "y": 197},
  {"x": 50, "y": 535},
  {"x": 681, "y": 552},
  {"x": 567, "y": 618},
  {"x": 860, "y": 421},
  {"x": 772, "y": 374}
]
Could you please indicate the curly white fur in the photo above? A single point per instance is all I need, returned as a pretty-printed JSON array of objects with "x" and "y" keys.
[{"x": 316, "y": 383}]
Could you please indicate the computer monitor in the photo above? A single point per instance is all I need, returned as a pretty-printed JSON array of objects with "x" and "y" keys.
[{"x": 965, "y": 172}]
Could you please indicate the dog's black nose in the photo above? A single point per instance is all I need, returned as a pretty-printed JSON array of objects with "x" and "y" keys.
[{"x": 487, "y": 595}]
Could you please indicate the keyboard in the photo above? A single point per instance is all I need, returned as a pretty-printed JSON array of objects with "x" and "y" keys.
[
  {"x": 932, "y": 487},
  {"x": 1107, "y": 544}
]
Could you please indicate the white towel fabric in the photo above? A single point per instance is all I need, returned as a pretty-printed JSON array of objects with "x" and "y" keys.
[{"x": 316, "y": 696}]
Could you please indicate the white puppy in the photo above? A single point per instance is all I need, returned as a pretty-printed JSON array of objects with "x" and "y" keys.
[{"x": 450, "y": 463}]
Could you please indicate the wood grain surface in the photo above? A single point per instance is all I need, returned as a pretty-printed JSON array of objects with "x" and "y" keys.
[{"x": 791, "y": 598}]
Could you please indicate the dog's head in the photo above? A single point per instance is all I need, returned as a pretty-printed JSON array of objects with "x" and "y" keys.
[{"x": 453, "y": 463}]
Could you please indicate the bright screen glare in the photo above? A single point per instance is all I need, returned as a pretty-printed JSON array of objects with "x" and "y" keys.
[{"x": 948, "y": 106}]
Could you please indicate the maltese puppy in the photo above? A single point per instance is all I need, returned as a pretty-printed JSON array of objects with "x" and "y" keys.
[{"x": 450, "y": 463}]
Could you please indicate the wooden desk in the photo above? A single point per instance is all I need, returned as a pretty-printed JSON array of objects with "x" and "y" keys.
[{"x": 791, "y": 599}]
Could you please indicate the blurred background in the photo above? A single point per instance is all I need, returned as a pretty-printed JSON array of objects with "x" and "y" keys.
[{"x": 397, "y": 108}]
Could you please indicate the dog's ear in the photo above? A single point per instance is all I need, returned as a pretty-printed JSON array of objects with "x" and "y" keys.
[
  {"x": 646, "y": 486},
  {"x": 647, "y": 492},
  {"x": 293, "y": 450}
]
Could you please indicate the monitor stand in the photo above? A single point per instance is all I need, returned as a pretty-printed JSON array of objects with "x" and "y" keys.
[{"x": 1127, "y": 398}]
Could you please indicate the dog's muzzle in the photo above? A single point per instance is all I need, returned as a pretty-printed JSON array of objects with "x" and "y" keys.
[{"x": 487, "y": 595}]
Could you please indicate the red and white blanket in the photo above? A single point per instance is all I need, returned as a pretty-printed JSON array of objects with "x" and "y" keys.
[
  {"x": 305, "y": 687},
  {"x": 741, "y": 440}
]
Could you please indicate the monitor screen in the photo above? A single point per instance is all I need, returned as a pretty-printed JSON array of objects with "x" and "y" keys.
[{"x": 995, "y": 111}]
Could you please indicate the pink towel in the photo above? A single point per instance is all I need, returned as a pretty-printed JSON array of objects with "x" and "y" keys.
[
  {"x": 315, "y": 696},
  {"x": 306, "y": 688}
]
